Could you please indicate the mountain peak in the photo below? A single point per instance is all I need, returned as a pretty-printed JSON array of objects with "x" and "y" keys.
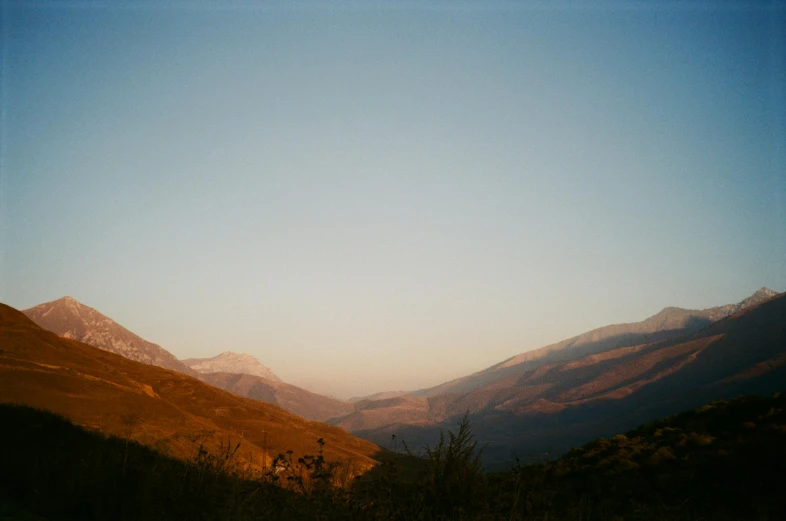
[
  {"x": 67, "y": 301},
  {"x": 669, "y": 310},
  {"x": 764, "y": 292},
  {"x": 69, "y": 318},
  {"x": 231, "y": 362},
  {"x": 714, "y": 313},
  {"x": 760, "y": 296}
]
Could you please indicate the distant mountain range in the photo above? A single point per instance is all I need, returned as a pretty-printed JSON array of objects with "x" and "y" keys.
[
  {"x": 547, "y": 400},
  {"x": 171, "y": 411},
  {"x": 604, "y": 381},
  {"x": 229, "y": 362},
  {"x": 670, "y": 322},
  {"x": 239, "y": 373}
]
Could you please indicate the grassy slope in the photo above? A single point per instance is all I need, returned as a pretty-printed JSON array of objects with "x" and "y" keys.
[
  {"x": 52, "y": 469},
  {"x": 723, "y": 461},
  {"x": 156, "y": 406}
]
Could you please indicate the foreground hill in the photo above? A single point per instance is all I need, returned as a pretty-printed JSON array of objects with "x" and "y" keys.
[
  {"x": 71, "y": 319},
  {"x": 158, "y": 407},
  {"x": 293, "y": 399},
  {"x": 53, "y": 469},
  {"x": 229, "y": 362},
  {"x": 720, "y": 461},
  {"x": 723, "y": 461},
  {"x": 556, "y": 405}
]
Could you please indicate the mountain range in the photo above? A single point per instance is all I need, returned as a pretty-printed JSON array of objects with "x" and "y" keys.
[
  {"x": 239, "y": 373},
  {"x": 604, "y": 381},
  {"x": 545, "y": 400},
  {"x": 671, "y": 322},
  {"x": 171, "y": 411}
]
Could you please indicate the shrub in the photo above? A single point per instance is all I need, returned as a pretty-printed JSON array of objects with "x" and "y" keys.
[{"x": 454, "y": 483}]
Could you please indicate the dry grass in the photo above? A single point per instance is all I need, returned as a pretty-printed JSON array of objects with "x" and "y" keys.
[{"x": 101, "y": 391}]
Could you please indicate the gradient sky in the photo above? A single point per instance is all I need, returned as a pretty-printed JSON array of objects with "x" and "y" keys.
[{"x": 373, "y": 196}]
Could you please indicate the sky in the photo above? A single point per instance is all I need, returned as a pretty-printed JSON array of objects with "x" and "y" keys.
[{"x": 375, "y": 196}]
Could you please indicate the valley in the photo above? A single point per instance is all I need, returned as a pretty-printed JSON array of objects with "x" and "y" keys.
[
  {"x": 392, "y": 261},
  {"x": 544, "y": 401}
]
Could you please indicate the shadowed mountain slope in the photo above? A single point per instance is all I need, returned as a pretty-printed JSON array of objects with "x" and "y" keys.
[
  {"x": 293, "y": 399},
  {"x": 555, "y": 405},
  {"x": 155, "y": 406},
  {"x": 71, "y": 319},
  {"x": 229, "y": 362}
]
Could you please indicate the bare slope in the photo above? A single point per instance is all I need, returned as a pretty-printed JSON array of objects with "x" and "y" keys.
[
  {"x": 156, "y": 406},
  {"x": 71, "y": 319}
]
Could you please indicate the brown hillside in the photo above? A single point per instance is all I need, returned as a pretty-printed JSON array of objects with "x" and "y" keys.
[{"x": 156, "y": 406}]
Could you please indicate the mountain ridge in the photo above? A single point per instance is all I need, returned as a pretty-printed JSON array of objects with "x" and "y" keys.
[
  {"x": 159, "y": 407},
  {"x": 238, "y": 373},
  {"x": 669, "y": 322},
  {"x": 564, "y": 401}
]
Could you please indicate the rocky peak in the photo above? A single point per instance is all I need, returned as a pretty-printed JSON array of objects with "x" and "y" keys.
[
  {"x": 231, "y": 362},
  {"x": 757, "y": 298},
  {"x": 70, "y": 318}
]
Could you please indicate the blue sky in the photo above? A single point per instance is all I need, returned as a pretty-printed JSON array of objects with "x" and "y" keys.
[{"x": 379, "y": 195}]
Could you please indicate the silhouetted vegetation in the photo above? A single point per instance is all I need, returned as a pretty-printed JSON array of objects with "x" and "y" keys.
[
  {"x": 51, "y": 469},
  {"x": 722, "y": 461},
  {"x": 452, "y": 483}
]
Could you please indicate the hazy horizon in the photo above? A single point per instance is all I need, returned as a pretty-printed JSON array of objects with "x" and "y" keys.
[{"x": 377, "y": 197}]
